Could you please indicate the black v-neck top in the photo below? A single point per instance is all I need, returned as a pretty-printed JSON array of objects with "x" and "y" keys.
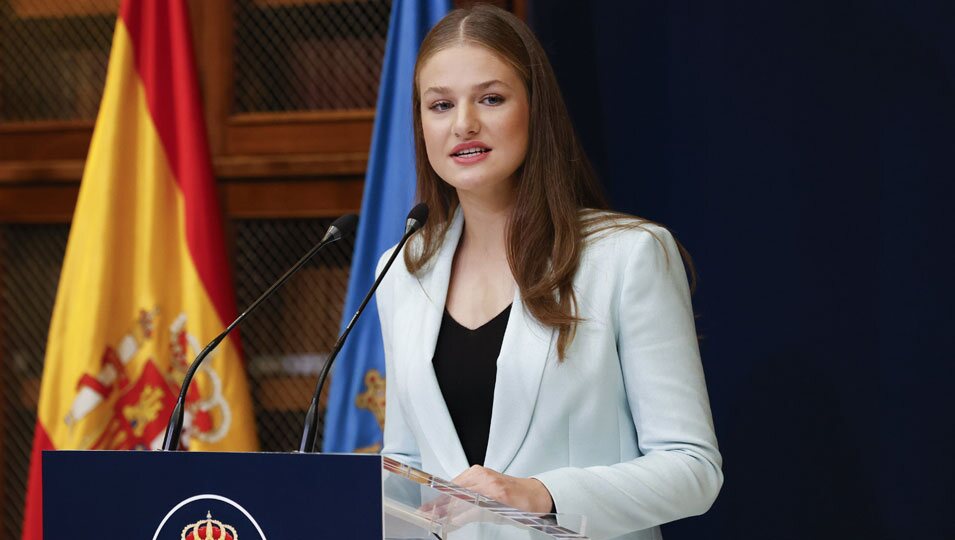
[{"x": 465, "y": 364}]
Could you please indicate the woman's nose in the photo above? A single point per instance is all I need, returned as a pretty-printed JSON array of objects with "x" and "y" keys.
[{"x": 466, "y": 123}]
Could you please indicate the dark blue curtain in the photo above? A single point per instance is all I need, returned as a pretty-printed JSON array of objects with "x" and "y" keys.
[{"x": 804, "y": 152}]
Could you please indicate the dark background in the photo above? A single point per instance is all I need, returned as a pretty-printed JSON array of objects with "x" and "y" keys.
[{"x": 802, "y": 151}]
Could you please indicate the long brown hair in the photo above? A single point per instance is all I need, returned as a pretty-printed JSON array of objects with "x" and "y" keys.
[{"x": 545, "y": 232}]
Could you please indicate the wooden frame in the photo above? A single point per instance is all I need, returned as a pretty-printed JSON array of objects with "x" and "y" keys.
[{"x": 300, "y": 164}]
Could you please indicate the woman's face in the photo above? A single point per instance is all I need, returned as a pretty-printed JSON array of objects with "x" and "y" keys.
[{"x": 475, "y": 116}]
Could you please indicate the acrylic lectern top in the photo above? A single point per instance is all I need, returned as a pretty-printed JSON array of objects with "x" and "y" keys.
[{"x": 418, "y": 505}]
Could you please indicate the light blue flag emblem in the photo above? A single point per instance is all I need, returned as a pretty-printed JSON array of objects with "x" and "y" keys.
[{"x": 355, "y": 417}]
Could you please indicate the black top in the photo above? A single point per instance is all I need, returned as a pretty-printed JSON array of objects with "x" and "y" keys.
[{"x": 465, "y": 364}]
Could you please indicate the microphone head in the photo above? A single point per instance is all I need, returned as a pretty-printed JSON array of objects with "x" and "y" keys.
[
  {"x": 417, "y": 217},
  {"x": 341, "y": 227}
]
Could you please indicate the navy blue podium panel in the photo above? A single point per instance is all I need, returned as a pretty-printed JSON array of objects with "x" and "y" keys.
[{"x": 200, "y": 495}]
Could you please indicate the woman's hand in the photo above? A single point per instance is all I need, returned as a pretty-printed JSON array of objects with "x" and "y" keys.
[{"x": 527, "y": 494}]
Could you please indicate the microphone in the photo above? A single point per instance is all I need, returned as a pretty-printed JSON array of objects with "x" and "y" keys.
[
  {"x": 417, "y": 217},
  {"x": 336, "y": 231}
]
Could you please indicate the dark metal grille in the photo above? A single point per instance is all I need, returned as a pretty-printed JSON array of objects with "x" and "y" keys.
[
  {"x": 53, "y": 58},
  {"x": 286, "y": 341},
  {"x": 30, "y": 261},
  {"x": 301, "y": 55}
]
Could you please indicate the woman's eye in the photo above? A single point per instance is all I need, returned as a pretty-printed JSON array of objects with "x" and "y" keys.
[
  {"x": 492, "y": 100},
  {"x": 440, "y": 106}
]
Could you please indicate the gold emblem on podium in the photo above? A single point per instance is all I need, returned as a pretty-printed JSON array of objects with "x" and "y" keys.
[{"x": 209, "y": 529}]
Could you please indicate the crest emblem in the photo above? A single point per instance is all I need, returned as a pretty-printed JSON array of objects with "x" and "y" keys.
[
  {"x": 209, "y": 529},
  {"x": 231, "y": 518},
  {"x": 127, "y": 401}
]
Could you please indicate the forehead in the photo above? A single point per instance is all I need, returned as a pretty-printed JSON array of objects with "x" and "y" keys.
[{"x": 463, "y": 66}]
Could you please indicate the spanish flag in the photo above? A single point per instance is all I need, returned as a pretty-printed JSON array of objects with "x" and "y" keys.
[{"x": 144, "y": 283}]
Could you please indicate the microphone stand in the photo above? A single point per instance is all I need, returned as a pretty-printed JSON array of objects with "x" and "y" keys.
[
  {"x": 336, "y": 231},
  {"x": 416, "y": 219}
]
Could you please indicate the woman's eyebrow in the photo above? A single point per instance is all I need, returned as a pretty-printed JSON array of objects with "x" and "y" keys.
[
  {"x": 437, "y": 90},
  {"x": 480, "y": 86},
  {"x": 487, "y": 84}
]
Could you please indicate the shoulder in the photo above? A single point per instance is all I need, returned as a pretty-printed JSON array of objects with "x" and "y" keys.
[
  {"x": 628, "y": 259},
  {"x": 617, "y": 236}
]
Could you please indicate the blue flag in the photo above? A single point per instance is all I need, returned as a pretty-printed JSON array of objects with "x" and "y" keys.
[{"x": 355, "y": 416}]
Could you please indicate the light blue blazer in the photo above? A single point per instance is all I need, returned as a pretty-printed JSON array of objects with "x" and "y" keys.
[{"x": 620, "y": 431}]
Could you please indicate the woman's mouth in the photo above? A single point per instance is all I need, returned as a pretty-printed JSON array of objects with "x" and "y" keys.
[{"x": 470, "y": 155}]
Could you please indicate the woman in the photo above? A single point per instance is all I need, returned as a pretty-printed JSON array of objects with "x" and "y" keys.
[{"x": 538, "y": 351}]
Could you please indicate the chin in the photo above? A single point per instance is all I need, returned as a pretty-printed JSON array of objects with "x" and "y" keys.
[
  {"x": 469, "y": 181},
  {"x": 475, "y": 178}
]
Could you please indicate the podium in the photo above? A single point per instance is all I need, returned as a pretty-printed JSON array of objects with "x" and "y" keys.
[{"x": 259, "y": 496}]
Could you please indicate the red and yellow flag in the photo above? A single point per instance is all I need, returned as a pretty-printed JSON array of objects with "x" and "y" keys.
[{"x": 144, "y": 283}]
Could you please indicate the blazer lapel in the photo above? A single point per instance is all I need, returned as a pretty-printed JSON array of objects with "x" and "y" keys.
[
  {"x": 524, "y": 352},
  {"x": 419, "y": 339}
]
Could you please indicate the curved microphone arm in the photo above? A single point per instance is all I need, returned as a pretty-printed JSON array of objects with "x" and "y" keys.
[
  {"x": 417, "y": 217},
  {"x": 336, "y": 231},
  {"x": 310, "y": 431}
]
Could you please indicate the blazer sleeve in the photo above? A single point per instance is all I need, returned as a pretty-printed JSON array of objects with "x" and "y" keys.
[
  {"x": 679, "y": 473},
  {"x": 399, "y": 442}
]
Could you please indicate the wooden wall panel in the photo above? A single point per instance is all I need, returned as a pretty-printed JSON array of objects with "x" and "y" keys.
[
  {"x": 325, "y": 197},
  {"x": 317, "y": 197},
  {"x": 33, "y": 8},
  {"x": 50, "y": 202},
  {"x": 335, "y": 132},
  {"x": 40, "y": 141}
]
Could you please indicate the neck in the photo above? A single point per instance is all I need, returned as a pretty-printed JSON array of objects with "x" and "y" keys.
[{"x": 485, "y": 222}]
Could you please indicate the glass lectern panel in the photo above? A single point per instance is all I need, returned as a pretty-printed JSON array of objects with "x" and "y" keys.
[{"x": 420, "y": 506}]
